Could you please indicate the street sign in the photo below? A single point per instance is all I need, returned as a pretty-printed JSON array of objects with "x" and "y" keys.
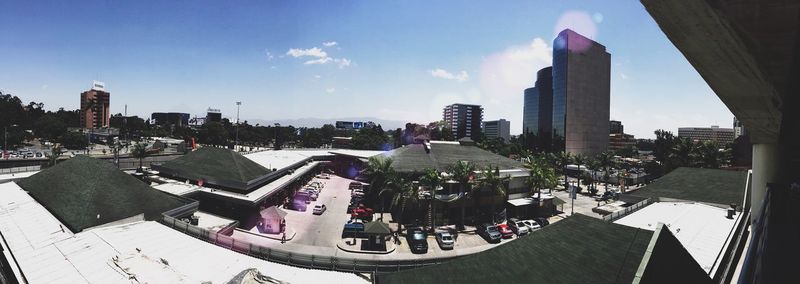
[{"x": 572, "y": 192}]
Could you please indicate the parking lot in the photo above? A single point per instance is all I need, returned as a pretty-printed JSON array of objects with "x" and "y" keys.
[{"x": 320, "y": 233}]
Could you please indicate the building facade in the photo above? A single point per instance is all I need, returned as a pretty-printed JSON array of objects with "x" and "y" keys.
[
  {"x": 619, "y": 141},
  {"x": 213, "y": 115},
  {"x": 497, "y": 129},
  {"x": 722, "y": 136},
  {"x": 738, "y": 128},
  {"x": 463, "y": 120},
  {"x": 581, "y": 94},
  {"x": 615, "y": 127},
  {"x": 170, "y": 118},
  {"x": 95, "y": 104},
  {"x": 537, "y": 111}
]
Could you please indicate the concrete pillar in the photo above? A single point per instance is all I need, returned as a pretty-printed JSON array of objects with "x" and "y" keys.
[{"x": 766, "y": 162}]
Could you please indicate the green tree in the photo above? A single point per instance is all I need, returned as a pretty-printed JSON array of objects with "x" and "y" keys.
[
  {"x": 139, "y": 151},
  {"x": 403, "y": 192},
  {"x": 606, "y": 161},
  {"x": 379, "y": 173},
  {"x": 55, "y": 153},
  {"x": 214, "y": 133},
  {"x": 49, "y": 127},
  {"x": 495, "y": 184},
  {"x": 74, "y": 141},
  {"x": 682, "y": 153},
  {"x": 431, "y": 179},
  {"x": 540, "y": 175},
  {"x": 709, "y": 155},
  {"x": 370, "y": 138},
  {"x": 462, "y": 172},
  {"x": 563, "y": 159}
]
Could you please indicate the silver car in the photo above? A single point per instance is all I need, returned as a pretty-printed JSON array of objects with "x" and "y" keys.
[
  {"x": 532, "y": 225},
  {"x": 445, "y": 240},
  {"x": 518, "y": 227}
]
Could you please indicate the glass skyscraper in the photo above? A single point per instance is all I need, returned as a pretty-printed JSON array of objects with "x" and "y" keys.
[
  {"x": 581, "y": 94},
  {"x": 537, "y": 111}
]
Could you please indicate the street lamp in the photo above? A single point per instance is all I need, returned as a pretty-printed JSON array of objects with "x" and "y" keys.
[{"x": 236, "y": 143}]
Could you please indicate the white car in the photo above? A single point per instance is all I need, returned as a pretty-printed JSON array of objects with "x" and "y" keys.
[
  {"x": 518, "y": 227},
  {"x": 445, "y": 240},
  {"x": 532, "y": 225},
  {"x": 324, "y": 176},
  {"x": 319, "y": 209}
]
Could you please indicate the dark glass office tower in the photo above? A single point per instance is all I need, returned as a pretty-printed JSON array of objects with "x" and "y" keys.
[
  {"x": 581, "y": 94},
  {"x": 537, "y": 112}
]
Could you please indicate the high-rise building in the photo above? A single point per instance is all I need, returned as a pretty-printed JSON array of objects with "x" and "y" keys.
[
  {"x": 537, "y": 111},
  {"x": 722, "y": 136},
  {"x": 581, "y": 94},
  {"x": 463, "y": 120},
  {"x": 95, "y": 105},
  {"x": 213, "y": 115},
  {"x": 738, "y": 128},
  {"x": 497, "y": 129},
  {"x": 615, "y": 127}
]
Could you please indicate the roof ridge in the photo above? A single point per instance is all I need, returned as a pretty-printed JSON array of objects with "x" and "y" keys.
[{"x": 238, "y": 167}]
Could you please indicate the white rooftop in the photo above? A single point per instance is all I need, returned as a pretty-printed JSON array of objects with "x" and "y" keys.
[
  {"x": 283, "y": 158},
  {"x": 701, "y": 229},
  {"x": 149, "y": 251},
  {"x": 357, "y": 153}
]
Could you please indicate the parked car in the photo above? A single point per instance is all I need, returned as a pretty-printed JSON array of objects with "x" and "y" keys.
[
  {"x": 353, "y": 228},
  {"x": 518, "y": 227},
  {"x": 319, "y": 209},
  {"x": 324, "y": 176},
  {"x": 542, "y": 221},
  {"x": 417, "y": 240},
  {"x": 505, "y": 231},
  {"x": 532, "y": 225},
  {"x": 445, "y": 240},
  {"x": 354, "y": 185},
  {"x": 489, "y": 232}
]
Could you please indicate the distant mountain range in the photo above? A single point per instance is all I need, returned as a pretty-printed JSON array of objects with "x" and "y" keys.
[{"x": 319, "y": 122}]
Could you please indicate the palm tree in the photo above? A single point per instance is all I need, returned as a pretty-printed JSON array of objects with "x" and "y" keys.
[
  {"x": 708, "y": 155},
  {"x": 139, "y": 151},
  {"x": 606, "y": 161},
  {"x": 462, "y": 172},
  {"x": 380, "y": 173},
  {"x": 432, "y": 179},
  {"x": 540, "y": 175},
  {"x": 402, "y": 191},
  {"x": 682, "y": 152},
  {"x": 496, "y": 184},
  {"x": 593, "y": 165},
  {"x": 562, "y": 160}
]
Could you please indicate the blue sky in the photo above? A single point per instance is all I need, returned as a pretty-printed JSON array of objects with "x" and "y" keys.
[{"x": 397, "y": 60}]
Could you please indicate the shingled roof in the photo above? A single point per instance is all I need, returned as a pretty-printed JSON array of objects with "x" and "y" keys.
[
  {"x": 721, "y": 187},
  {"x": 215, "y": 166},
  {"x": 440, "y": 156},
  {"x": 85, "y": 192},
  {"x": 579, "y": 249}
]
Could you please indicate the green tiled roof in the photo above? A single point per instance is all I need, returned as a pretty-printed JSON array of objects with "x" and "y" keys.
[
  {"x": 579, "y": 249},
  {"x": 702, "y": 185},
  {"x": 85, "y": 192},
  {"x": 216, "y": 166},
  {"x": 441, "y": 156},
  {"x": 667, "y": 261}
]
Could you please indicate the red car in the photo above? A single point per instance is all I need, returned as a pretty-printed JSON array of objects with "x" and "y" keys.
[{"x": 505, "y": 231}]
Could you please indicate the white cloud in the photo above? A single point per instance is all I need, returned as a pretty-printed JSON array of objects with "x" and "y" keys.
[
  {"x": 322, "y": 60},
  {"x": 342, "y": 62},
  {"x": 319, "y": 57},
  {"x": 44, "y": 87},
  {"x": 623, "y": 76},
  {"x": 317, "y": 76},
  {"x": 505, "y": 75},
  {"x": 329, "y": 43},
  {"x": 312, "y": 52},
  {"x": 270, "y": 56},
  {"x": 330, "y": 90},
  {"x": 444, "y": 74}
]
